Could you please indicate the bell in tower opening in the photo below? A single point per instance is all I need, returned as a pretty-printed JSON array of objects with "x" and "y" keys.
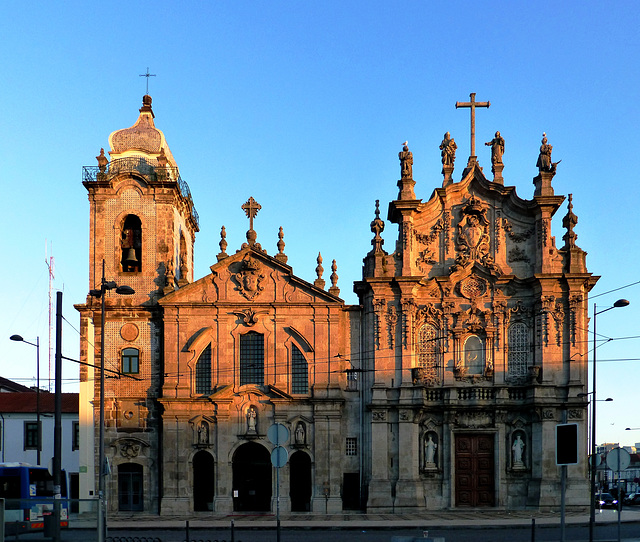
[{"x": 131, "y": 245}]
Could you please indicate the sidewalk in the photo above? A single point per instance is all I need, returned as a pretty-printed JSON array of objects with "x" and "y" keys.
[{"x": 477, "y": 518}]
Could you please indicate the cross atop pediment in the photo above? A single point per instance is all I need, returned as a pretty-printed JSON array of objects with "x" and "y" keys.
[{"x": 251, "y": 207}]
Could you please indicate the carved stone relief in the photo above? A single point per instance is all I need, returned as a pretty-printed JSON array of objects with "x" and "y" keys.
[
  {"x": 250, "y": 278},
  {"x": 392, "y": 319}
]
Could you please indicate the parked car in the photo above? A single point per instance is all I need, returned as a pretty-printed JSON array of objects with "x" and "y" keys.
[
  {"x": 606, "y": 500},
  {"x": 633, "y": 499}
]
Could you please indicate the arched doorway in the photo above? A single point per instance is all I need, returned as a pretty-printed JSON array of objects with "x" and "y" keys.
[
  {"x": 251, "y": 478},
  {"x": 300, "y": 476},
  {"x": 203, "y": 481}
]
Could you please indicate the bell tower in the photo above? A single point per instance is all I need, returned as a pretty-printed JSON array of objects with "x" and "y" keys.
[
  {"x": 142, "y": 225},
  {"x": 143, "y": 221}
]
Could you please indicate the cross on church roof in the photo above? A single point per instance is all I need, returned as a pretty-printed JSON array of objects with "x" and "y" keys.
[
  {"x": 251, "y": 208},
  {"x": 472, "y": 105},
  {"x": 147, "y": 75}
]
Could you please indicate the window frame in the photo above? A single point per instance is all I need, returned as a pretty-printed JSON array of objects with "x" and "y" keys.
[
  {"x": 31, "y": 427},
  {"x": 518, "y": 346},
  {"x": 202, "y": 372},
  {"x": 252, "y": 358},
  {"x": 299, "y": 372},
  {"x": 129, "y": 359}
]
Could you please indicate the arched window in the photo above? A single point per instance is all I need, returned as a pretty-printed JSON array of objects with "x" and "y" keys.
[
  {"x": 299, "y": 371},
  {"x": 130, "y": 361},
  {"x": 518, "y": 359},
  {"x": 252, "y": 358},
  {"x": 131, "y": 244},
  {"x": 203, "y": 371},
  {"x": 474, "y": 355}
]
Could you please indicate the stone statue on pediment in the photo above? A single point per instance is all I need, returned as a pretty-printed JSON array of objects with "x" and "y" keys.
[
  {"x": 448, "y": 150},
  {"x": 497, "y": 148}
]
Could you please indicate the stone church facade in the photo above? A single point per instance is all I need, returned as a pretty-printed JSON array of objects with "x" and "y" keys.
[{"x": 441, "y": 389}]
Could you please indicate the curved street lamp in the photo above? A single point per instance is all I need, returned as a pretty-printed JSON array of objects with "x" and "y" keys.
[
  {"x": 592, "y": 515},
  {"x": 19, "y": 338},
  {"x": 100, "y": 293}
]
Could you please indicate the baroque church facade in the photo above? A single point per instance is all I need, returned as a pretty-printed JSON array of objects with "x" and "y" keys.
[{"x": 442, "y": 388}]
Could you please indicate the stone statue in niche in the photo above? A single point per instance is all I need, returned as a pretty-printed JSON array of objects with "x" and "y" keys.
[
  {"x": 518, "y": 452},
  {"x": 203, "y": 433},
  {"x": 430, "y": 448},
  {"x": 300, "y": 433},
  {"x": 252, "y": 418}
]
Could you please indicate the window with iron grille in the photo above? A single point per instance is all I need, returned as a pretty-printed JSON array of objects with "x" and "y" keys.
[
  {"x": 31, "y": 436},
  {"x": 130, "y": 361},
  {"x": 351, "y": 446},
  {"x": 252, "y": 358},
  {"x": 299, "y": 372},
  {"x": 518, "y": 359},
  {"x": 428, "y": 352},
  {"x": 203, "y": 371}
]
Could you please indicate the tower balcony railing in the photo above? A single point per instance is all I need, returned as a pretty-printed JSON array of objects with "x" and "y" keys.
[{"x": 143, "y": 167}]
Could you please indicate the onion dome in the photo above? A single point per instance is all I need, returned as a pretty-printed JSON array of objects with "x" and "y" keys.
[{"x": 141, "y": 139}]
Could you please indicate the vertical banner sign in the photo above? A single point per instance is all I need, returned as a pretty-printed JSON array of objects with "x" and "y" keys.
[{"x": 567, "y": 444}]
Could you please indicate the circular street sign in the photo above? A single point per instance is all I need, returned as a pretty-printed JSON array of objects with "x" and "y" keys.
[
  {"x": 598, "y": 460},
  {"x": 278, "y": 434},
  {"x": 618, "y": 459},
  {"x": 279, "y": 457}
]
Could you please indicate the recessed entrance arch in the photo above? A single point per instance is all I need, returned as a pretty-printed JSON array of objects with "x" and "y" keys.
[
  {"x": 300, "y": 488},
  {"x": 203, "y": 481},
  {"x": 251, "y": 478}
]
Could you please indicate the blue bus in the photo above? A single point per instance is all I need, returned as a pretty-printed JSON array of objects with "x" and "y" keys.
[{"x": 29, "y": 495}]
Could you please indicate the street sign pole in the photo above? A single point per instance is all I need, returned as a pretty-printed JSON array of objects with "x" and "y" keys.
[{"x": 277, "y": 434}]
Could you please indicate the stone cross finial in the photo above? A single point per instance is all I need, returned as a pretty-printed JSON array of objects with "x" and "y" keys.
[
  {"x": 251, "y": 207},
  {"x": 472, "y": 105}
]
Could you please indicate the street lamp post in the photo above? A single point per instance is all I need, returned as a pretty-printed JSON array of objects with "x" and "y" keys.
[
  {"x": 594, "y": 447},
  {"x": 37, "y": 345},
  {"x": 100, "y": 294}
]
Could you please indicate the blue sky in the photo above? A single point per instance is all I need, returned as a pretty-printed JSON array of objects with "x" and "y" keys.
[{"x": 304, "y": 106}]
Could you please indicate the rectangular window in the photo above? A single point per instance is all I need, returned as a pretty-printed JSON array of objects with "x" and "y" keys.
[
  {"x": 351, "y": 447},
  {"x": 252, "y": 358},
  {"x": 31, "y": 436},
  {"x": 352, "y": 379},
  {"x": 75, "y": 445},
  {"x": 130, "y": 361}
]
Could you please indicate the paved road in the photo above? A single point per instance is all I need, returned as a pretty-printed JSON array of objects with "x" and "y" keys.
[{"x": 482, "y": 533}]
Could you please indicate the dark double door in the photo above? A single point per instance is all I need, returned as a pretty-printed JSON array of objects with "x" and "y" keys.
[{"x": 475, "y": 486}]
